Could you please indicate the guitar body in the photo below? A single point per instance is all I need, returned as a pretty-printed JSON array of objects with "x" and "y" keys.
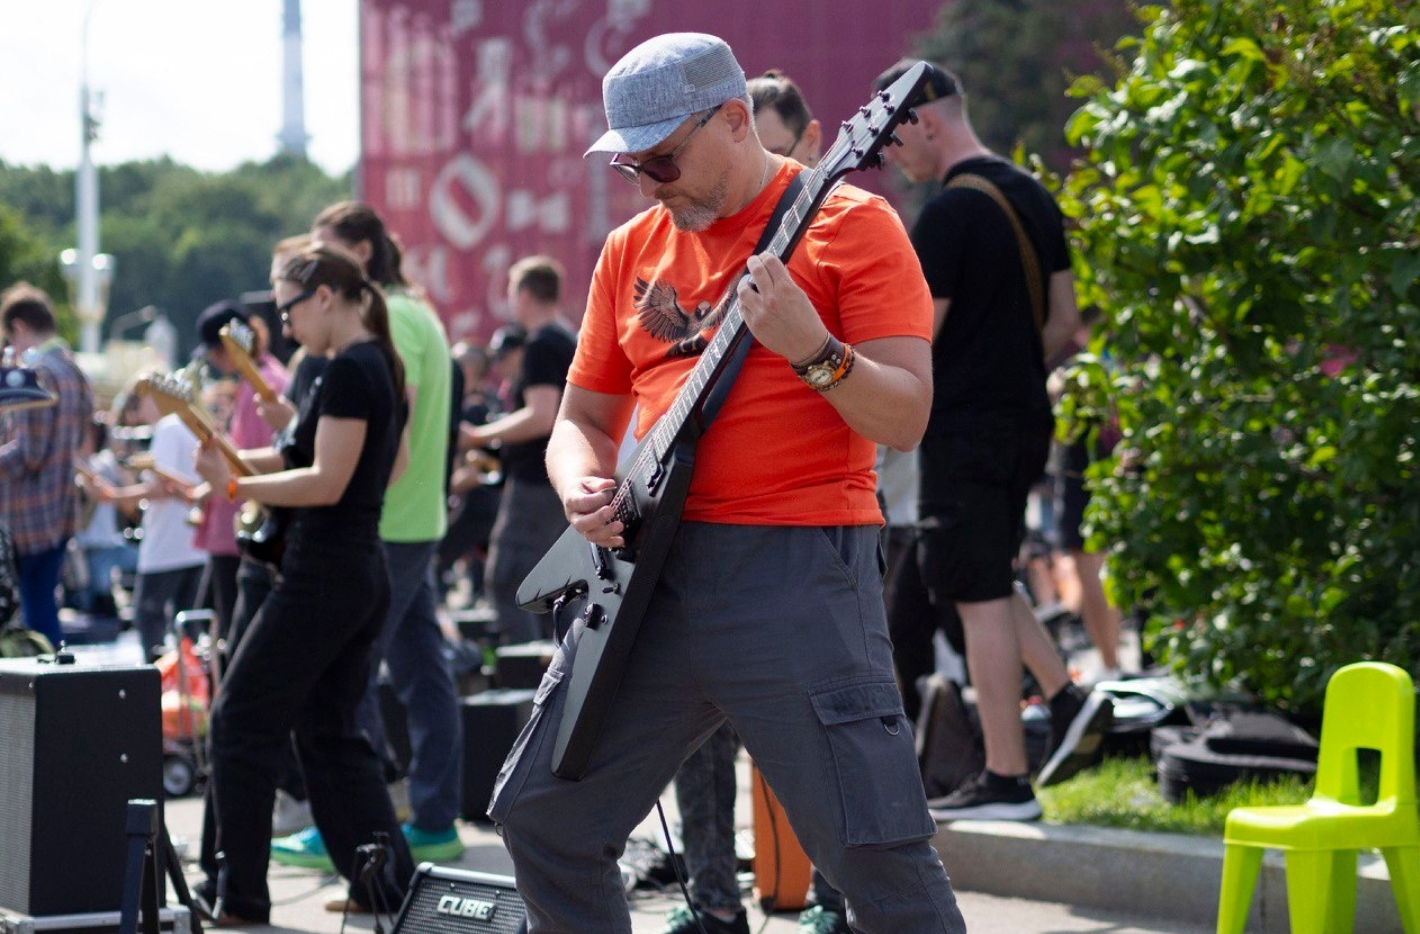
[
  {"x": 608, "y": 592},
  {"x": 261, "y": 533}
]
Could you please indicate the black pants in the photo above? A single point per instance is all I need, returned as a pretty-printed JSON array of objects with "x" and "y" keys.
[
  {"x": 303, "y": 665},
  {"x": 253, "y": 585}
]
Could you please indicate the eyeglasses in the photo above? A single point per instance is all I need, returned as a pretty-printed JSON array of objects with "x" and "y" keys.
[
  {"x": 283, "y": 310},
  {"x": 661, "y": 169},
  {"x": 792, "y": 146}
]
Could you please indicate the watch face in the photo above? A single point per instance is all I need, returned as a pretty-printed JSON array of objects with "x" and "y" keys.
[{"x": 820, "y": 375}]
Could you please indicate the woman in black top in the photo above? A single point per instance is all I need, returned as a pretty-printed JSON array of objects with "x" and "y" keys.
[{"x": 304, "y": 661}]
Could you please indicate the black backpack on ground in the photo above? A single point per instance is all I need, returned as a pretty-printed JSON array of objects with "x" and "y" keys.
[{"x": 1236, "y": 745}]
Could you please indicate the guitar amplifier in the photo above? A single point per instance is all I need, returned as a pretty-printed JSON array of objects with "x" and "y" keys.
[
  {"x": 456, "y": 901},
  {"x": 76, "y": 743},
  {"x": 491, "y": 724}
]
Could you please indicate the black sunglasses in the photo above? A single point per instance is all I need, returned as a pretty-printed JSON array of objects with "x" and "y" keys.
[
  {"x": 661, "y": 169},
  {"x": 283, "y": 310}
]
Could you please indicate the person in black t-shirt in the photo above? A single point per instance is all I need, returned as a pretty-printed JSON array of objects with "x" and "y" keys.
[
  {"x": 304, "y": 661},
  {"x": 989, "y": 433},
  {"x": 530, "y": 516}
]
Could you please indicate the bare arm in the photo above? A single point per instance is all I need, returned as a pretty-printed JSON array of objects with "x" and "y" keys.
[
  {"x": 886, "y": 398},
  {"x": 581, "y": 460},
  {"x": 337, "y": 448},
  {"x": 1064, "y": 318},
  {"x": 534, "y": 420}
]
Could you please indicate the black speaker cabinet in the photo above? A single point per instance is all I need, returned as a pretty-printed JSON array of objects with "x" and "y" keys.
[
  {"x": 491, "y": 724},
  {"x": 456, "y": 901},
  {"x": 522, "y": 665},
  {"x": 76, "y": 743}
]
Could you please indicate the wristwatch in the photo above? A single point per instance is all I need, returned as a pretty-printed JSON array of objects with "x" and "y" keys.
[{"x": 826, "y": 368}]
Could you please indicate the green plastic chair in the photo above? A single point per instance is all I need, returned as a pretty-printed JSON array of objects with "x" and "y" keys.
[{"x": 1369, "y": 705}]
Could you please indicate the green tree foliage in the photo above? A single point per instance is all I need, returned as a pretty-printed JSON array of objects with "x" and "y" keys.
[
  {"x": 1248, "y": 222},
  {"x": 182, "y": 238},
  {"x": 1017, "y": 59},
  {"x": 22, "y": 256}
]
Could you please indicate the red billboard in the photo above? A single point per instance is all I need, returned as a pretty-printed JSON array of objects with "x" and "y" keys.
[{"x": 475, "y": 115}]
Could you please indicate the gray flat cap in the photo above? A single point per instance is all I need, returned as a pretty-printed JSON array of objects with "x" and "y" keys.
[{"x": 662, "y": 81}]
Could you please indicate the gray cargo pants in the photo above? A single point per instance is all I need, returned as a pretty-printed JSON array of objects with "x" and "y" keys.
[{"x": 782, "y": 631}]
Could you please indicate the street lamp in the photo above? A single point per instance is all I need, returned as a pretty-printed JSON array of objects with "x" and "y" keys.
[
  {"x": 90, "y": 279},
  {"x": 88, "y": 291}
]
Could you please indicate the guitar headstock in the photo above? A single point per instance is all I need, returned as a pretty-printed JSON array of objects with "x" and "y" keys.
[
  {"x": 862, "y": 137},
  {"x": 171, "y": 392},
  {"x": 238, "y": 336}
]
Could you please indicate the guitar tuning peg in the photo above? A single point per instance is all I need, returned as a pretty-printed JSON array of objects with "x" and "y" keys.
[
  {"x": 864, "y": 111},
  {"x": 889, "y": 107},
  {"x": 879, "y": 160},
  {"x": 893, "y": 140},
  {"x": 844, "y": 125},
  {"x": 911, "y": 116}
]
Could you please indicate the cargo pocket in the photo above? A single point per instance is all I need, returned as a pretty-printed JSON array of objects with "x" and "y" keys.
[
  {"x": 875, "y": 763},
  {"x": 524, "y": 752}
]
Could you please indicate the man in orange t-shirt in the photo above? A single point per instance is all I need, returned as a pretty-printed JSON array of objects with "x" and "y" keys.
[{"x": 769, "y": 609}]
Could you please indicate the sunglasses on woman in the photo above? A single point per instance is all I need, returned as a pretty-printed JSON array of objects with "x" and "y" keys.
[{"x": 661, "y": 169}]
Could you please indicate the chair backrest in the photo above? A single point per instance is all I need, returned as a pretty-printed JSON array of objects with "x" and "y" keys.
[{"x": 1369, "y": 705}]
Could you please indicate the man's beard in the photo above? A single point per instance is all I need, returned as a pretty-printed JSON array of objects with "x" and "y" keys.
[{"x": 700, "y": 213}]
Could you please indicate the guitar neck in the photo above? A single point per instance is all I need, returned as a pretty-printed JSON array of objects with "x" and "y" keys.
[
  {"x": 198, "y": 422},
  {"x": 249, "y": 370},
  {"x": 683, "y": 417}
]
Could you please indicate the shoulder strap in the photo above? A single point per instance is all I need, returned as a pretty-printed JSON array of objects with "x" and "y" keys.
[
  {"x": 1027, "y": 249},
  {"x": 716, "y": 397}
]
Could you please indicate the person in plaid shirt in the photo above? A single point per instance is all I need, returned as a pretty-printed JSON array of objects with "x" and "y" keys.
[{"x": 38, "y": 497}]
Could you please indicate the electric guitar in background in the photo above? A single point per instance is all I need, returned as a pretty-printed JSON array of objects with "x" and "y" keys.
[
  {"x": 260, "y": 532},
  {"x": 608, "y": 590},
  {"x": 240, "y": 341}
]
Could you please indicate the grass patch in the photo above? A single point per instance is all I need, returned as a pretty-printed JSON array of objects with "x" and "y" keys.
[{"x": 1123, "y": 792}]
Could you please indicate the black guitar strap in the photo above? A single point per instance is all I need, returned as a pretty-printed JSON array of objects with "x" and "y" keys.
[{"x": 726, "y": 380}]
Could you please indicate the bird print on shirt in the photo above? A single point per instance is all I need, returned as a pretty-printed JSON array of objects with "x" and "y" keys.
[{"x": 662, "y": 316}]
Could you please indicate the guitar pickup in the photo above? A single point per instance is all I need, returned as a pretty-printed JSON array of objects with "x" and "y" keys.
[{"x": 599, "y": 562}]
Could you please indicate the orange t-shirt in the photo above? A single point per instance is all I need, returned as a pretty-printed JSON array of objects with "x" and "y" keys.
[{"x": 778, "y": 453}]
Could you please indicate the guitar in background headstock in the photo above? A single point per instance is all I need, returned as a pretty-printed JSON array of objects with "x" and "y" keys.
[
  {"x": 240, "y": 341},
  {"x": 176, "y": 394}
]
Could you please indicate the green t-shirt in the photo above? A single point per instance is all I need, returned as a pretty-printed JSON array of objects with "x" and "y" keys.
[{"x": 415, "y": 506}]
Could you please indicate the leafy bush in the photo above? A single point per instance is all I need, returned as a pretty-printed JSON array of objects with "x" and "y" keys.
[{"x": 1247, "y": 218}]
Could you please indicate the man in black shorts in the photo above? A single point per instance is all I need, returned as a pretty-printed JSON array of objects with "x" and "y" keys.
[{"x": 981, "y": 240}]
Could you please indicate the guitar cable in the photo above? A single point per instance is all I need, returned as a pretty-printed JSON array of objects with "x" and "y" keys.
[
  {"x": 675, "y": 865},
  {"x": 685, "y": 889}
]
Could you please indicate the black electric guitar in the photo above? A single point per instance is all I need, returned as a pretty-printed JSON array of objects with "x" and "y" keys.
[{"x": 608, "y": 590}]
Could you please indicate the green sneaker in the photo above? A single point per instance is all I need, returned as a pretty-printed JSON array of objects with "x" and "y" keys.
[
  {"x": 819, "y": 920},
  {"x": 432, "y": 846},
  {"x": 305, "y": 849}
]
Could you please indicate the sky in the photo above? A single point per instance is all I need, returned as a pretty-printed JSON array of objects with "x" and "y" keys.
[{"x": 197, "y": 80}]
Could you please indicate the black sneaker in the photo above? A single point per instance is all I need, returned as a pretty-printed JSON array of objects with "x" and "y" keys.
[
  {"x": 681, "y": 920},
  {"x": 987, "y": 797},
  {"x": 1078, "y": 722}
]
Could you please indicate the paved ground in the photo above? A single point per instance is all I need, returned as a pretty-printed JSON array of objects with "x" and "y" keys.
[{"x": 299, "y": 895}]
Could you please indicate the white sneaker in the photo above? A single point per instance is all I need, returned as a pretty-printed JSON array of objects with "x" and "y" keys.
[{"x": 289, "y": 815}]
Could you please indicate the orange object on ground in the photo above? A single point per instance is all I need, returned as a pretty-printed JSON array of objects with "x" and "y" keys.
[{"x": 782, "y": 872}]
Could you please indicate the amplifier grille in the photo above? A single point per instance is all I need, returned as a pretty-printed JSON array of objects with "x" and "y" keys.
[
  {"x": 465, "y": 899},
  {"x": 17, "y": 739}
]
